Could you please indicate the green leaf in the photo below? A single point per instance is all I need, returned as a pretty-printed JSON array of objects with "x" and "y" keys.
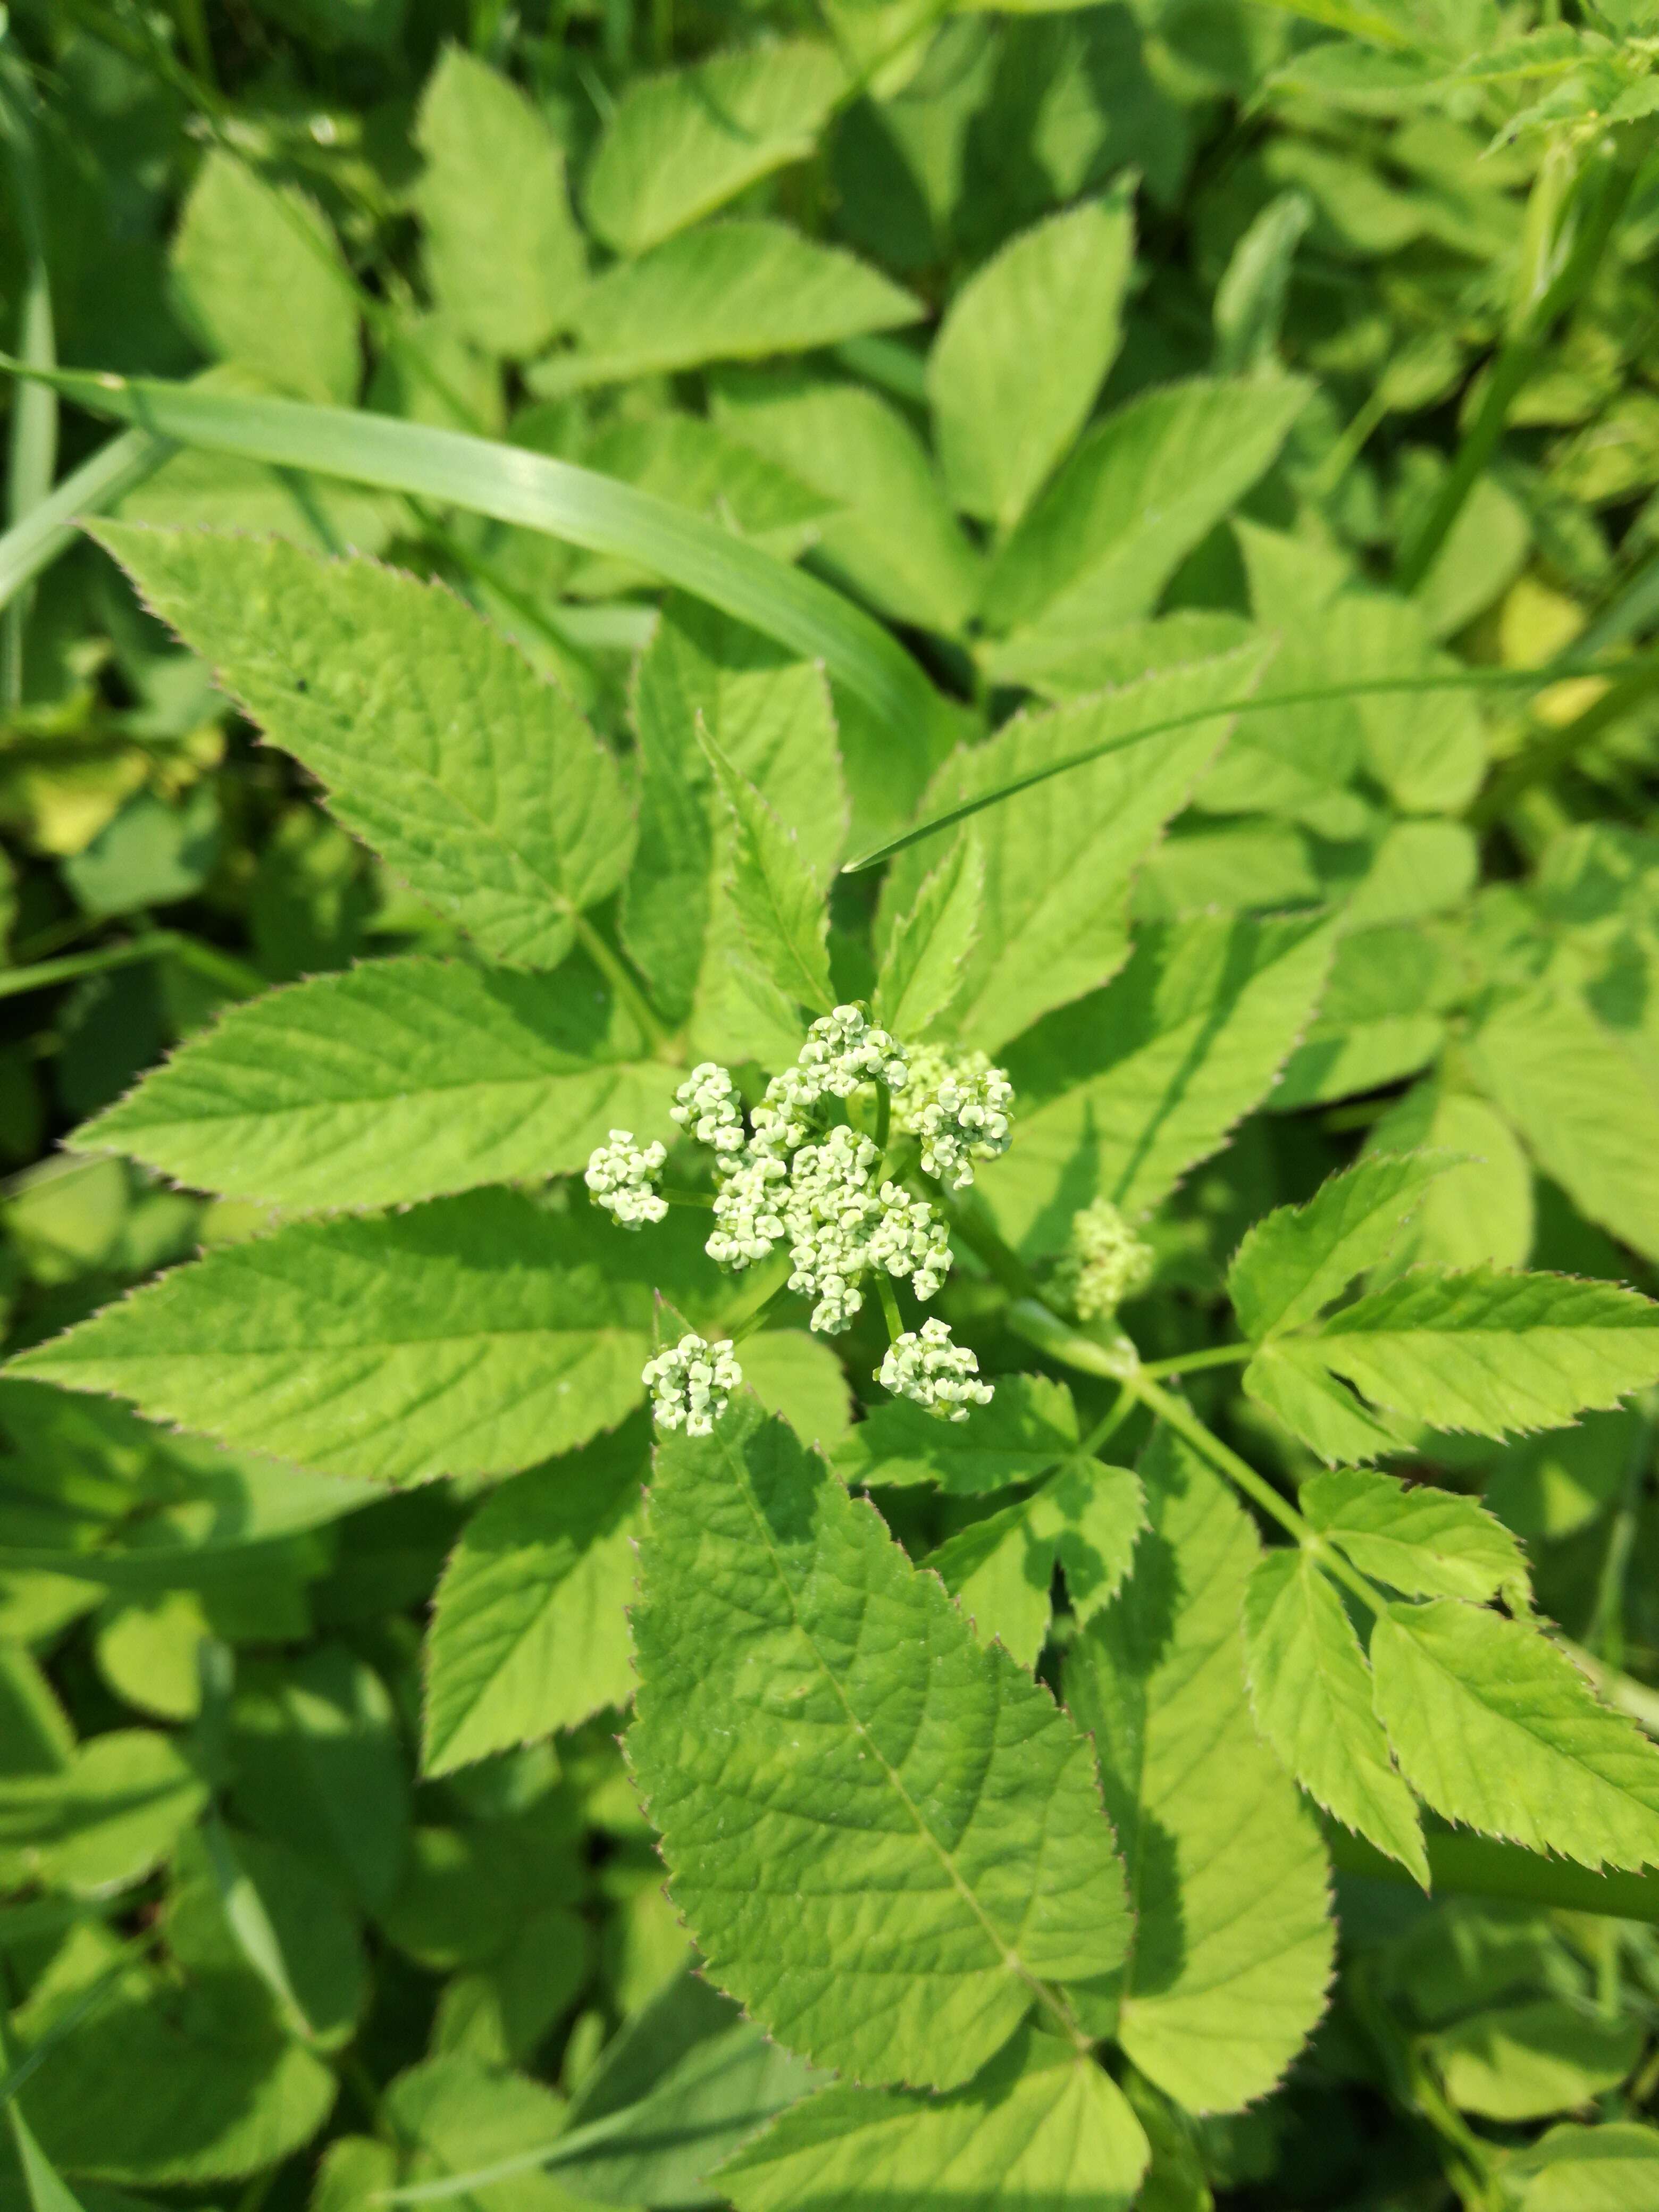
[
  {"x": 1060, "y": 856},
  {"x": 1494, "y": 1726},
  {"x": 1614, "y": 2168},
  {"x": 1043, "y": 2125},
  {"x": 314, "y": 1957},
  {"x": 1249, "y": 300},
  {"x": 1233, "y": 1941},
  {"x": 735, "y": 291},
  {"x": 48, "y": 2190},
  {"x": 1001, "y": 1570},
  {"x": 895, "y": 541},
  {"x": 1426, "y": 1542},
  {"x": 151, "y": 2090},
  {"x": 528, "y": 1632},
  {"x": 1022, "y": 353},
  {"x": 682, "y": 144},
  {"x": 402, "y": 1079},
  {"x": 685, "y": 2083},
  {"x": 482, "y": 786},
  {"x": 474, "y": 1334},
  {"x": 1298, "y": 1259},
  {"x": 1524, "y": 2061},
  {"x": 1582, "y": 1100},
  {"x": 771, "y": 715},
  {"x": 1311, "y": 1692},
  {"x": 504, "y": 258},
  {"x": 793, "y": 1764},
  {"x": 1480, "y": 1209},
  {"x": 113, "y": 1815},
  {"x": 920, "y": 972},
  {"x": 1118, "y": 1096},
  {"x": 1378, "y": 1020},
  {"x": 243, "y": 243},
  {"x": 320, "y": 1766},
  {"x": 781, "y": 909},
  {"x": 1495, "y": 1353},
  {"x": 1136, "y": 495},
  {"x": 456, "y": 2115},
  {"x": 536, "y": 493},
  {"x": 1028, "y": 1427}
]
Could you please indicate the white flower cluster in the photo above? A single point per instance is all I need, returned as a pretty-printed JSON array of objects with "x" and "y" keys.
[
  {"x": 910, "y": 1239},
  {"x": 690, "y": 1384},
  {"x": 1107, "y": 1262},
  {"x": 621, "y": 1176},
  {"x": 959, "y": 1104},
  {"x": 930, "y": 1369},
  {"x": 706, "y": 1104},
  {"x": 747, "y": 1221}
]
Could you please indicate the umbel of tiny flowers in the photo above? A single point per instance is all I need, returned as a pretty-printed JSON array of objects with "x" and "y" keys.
[
  {"x": 798, "y": 1178},
  {"x": 959, "y": 1104},
  {"x": 690, "y": 1384},
  {"x": 927, "y": 1366},
  {"x": 621, "y": 1176},
  {"x": 1106, "y": 1262}
]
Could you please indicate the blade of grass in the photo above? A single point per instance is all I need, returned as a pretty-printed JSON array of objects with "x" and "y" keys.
[
  {"x": 1462, "y": 679},
  {"x": 48, "y": 530},
  {"x": 578, "y": 505},
  {"x": 33, "y": 454}
]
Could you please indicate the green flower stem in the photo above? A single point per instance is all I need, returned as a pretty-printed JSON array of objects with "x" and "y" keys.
[
  {"x": 1189, "y": 1362},
  {"x": 1108, "y": 1425},
  {"x": 758, "y": 1317},
  {"x": 685, "y": 1198},
  {"x": 662, "y": 1044},
  {"x": 884, "y": 1118},
  {"x": 889, "y": 1310}
]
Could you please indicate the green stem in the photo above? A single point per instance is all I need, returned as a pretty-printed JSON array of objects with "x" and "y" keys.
[
  {"x": 617, "y": 974},
  {"x": 234, "y": 974},
  {"x": 1606, "y": 191},
  {"x": 1190, "y": 1363},
  {"x": 883, "y": 1117},
  {"x": 1617, "y": 1689},
  {"x": 889, "y": 1311},
  {"x": 760, "y": 1315},
  {"x": 1108, "y": 1425},
  {"x": 1476, "y": 1866},
  {"x": 1539, "y": 761},
  {"x": 685, "y": 1198}
]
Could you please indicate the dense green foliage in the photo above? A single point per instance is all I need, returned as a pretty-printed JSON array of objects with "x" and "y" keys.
[{"x": 829, "y": 1054}]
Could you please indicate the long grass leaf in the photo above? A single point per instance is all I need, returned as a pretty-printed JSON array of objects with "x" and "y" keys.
[
  {"x": 1320, "y": 695},
  {"x": 578, "y": 505},
  {"x": 48, "y": 530}
]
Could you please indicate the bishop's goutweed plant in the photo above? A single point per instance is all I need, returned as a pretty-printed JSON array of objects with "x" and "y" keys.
[{"x": 869, "y": 1429}]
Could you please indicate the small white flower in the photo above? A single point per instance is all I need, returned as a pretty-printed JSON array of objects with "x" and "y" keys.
[
  {"x": 706, "y": 1104},
  {"x": 1106, "y": 1264},
  {"x": 690, "y": 1385},
  {"x": 959, "y": 1104},
  {"x": 910, "y": 1239},
  {"x": 747, "y": 1219},
  {"x": 621, "y": 1175},
  {"x": 928, "y": 1367},
  {"x": 829, "y": 1213}
]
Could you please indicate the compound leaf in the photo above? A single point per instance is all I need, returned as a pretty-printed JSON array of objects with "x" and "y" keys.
[
  {"x": 1310, "y": 1688},
  {"x": 1043, "y": 2125},
  {"x": 504, "y": 257},
  {"x": 735, "y": 291},
  {"x": 921, "y": 969},
  {"x": 779, "y": 907},
  {"x": 474, "y": 1334},
  {"x": 815, "y": 1724},
  {"x": 1426, "y": 1542},
  {"x": 401, "y": 1079},
  {"x": 528, "y": 1630},
  {"x": 1022, "y": 352},
  {"x": 479, "y": 783},
  {"x": 1298, "y": 1258},
  {"x": 1118, "y": 1095},
  {"x": 1494, "y": 1726},
  {"x": 1233, "y": 1943},
  {"x": 682, "y": 144}
]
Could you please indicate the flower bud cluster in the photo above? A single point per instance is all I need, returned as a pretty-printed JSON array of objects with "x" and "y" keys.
[
  {"x": 621, "y": 1176},
  {"x": 928, "y": 1367},
  {"x": 706, "y": 1104},
  {"x": 747, "y": 1221},
  {"x": 908, "y": 1238},
  {"x": 830, "y": 1213},
  {"x": 959, "y": 1104},
  {"x": 1107, "y": 1262},
  {"x": 690, "y": 1384}
]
